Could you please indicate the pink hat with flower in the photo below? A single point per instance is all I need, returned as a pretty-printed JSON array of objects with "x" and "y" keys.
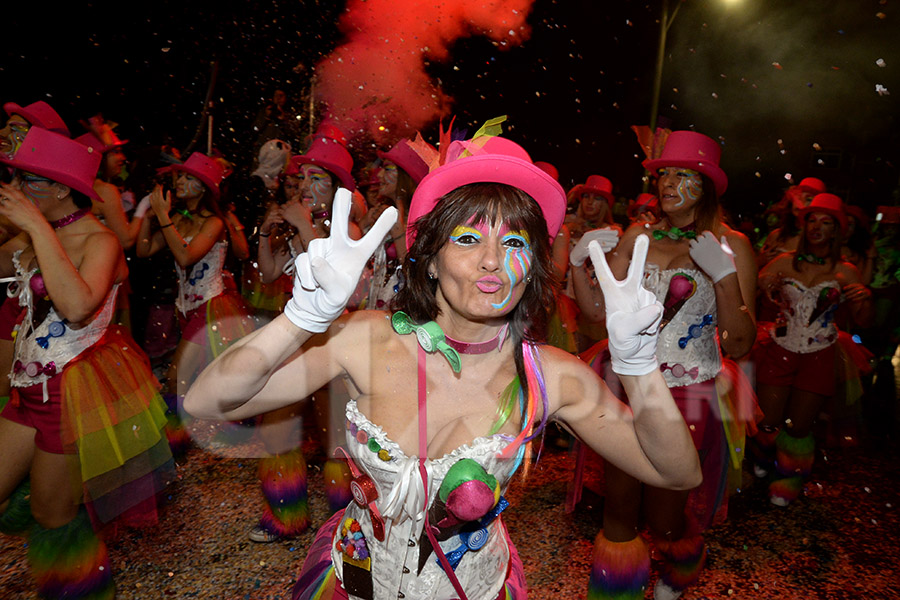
[
  {"x": 39, "y": 114},
  {"x": 830, "y": 205},
  {"x": 58, "y": 158},
  {"x": 206, "y": 169},
  {"x": 487, "y": 158},
  {"x": 695, "y": 151}
]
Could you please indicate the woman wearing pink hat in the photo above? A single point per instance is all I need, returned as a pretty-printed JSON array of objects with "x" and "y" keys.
[
  {"x": 449, "y": 388},
  {"x": 704, "y": 273},
  {"x": 795, "y": 355},
  {"x": 85, "y": 407},
  {"x": 194, "y": 232},
  {"x": 784, "y": 237}
]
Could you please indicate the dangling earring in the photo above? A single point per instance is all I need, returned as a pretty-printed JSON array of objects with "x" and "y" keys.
[
  {"x": 431, "y": 276},
  {"x": 528, "y": 279}
]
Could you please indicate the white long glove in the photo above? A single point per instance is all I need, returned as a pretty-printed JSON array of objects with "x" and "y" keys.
[
  {"x": 715, "y": 258},
  {"x": 608, "y": 238},
  {"x": 632, "y": 312},
  {"x": 326, "y": 275}
]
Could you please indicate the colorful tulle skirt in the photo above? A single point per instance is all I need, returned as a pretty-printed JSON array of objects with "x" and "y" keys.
[{"x": 217, "y": 324}]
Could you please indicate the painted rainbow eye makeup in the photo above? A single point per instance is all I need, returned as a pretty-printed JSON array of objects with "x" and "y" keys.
[
  {"x": 518, "y": 240},
  {"x": 465, "y": 235}
]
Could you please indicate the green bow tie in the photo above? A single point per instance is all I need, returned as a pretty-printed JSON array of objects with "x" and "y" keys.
[
  {"x": 811, "y": 258},
  {"x": 674, "y": 234},
  {"x": 430, "y": 337}
]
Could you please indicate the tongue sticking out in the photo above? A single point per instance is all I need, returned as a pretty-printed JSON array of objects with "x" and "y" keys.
[{"x": 681, "y": 287}]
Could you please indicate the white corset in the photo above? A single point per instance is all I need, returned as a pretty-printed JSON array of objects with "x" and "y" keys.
[
  {"x": 203, "y": 281},
  {"x": 688, "y": 347},
  {"x": 401, "y": 502},
  {"x": 806, "y": 319},
  {"x": 43, "y": 351}
]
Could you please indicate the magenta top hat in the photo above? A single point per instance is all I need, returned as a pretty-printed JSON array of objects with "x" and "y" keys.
[
  {"x": 39, "y": 114},
  {"x": 644, "y": 202},
  {"x": 862, "y": 219},
  {"x": 407, "y": 159},
  {"x": 595, "y": 184},
  {"x": 548, "y": 169},
  {"x": 828, "y": 204},
  {"x": 813, "y": 185},
  {"x": 206, "y": 169},
  {"x": 331, "y": 155},
  {"x": 692, "y": 150},
  {"x": 498, "y": 160},
  {"x": 57, "y": 158}
]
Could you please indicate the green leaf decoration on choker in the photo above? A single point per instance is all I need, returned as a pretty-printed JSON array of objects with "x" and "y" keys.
[
  {"x": 430, "y": 337},
  {"x": 675, "y": 234},
  {"x": 811, "y": 258},
  {"x": 186, "y": 213}
]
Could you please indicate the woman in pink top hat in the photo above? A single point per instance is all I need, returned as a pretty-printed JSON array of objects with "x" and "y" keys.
[
  {"x": 448, "y": 389},
  {"x": 704, "y": 273},
  {"x": 795, "y": 356},
  {"x": 85, "y": 408},
  {"x": 784, "y": 237}
]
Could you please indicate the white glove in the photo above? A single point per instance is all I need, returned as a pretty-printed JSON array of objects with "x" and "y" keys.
[
  {"x": 632, "y": 312},
  {"x": 326, "y": 275},
  {"x": 608, "y": 238},
  {"x": 716, "y": 260},
  {"x": 142, "y": 207}
]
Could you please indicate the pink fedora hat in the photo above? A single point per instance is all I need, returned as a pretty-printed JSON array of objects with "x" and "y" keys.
[
  {"x": 692, "y": 150},
  {"x": 206, "y": 169},
  {"x": 595, "y": 184},
  {"x": 100, "y": 135},
  {"x": 830, "y": 205},
  {"x": 331, "y": 155},
  {"x": 498, "y": 160},
  {"x": 57, "y": 158},
  {"x": 403, "y": 155},
  {"x": 812, "y": 185},
  {"x": 39, "y": 114}
]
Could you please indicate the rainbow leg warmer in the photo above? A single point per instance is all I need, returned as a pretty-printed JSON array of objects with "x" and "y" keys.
[
  {"x": 762, "y": 447},
  {"x": 70, "y": 562},
  {"x": 176, "y": 429},
  {"x": 619, "y": 570},
  {"x": 682, "y": 560},
  {"x": 283, "y": 481},
  {"x": 337, "y": 484},
  {"x": 793, "y": 462},
  {"x": 17, "y": 518}
]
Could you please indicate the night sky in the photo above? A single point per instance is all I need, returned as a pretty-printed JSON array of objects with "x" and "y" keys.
[{"x": 789, "y": 87}]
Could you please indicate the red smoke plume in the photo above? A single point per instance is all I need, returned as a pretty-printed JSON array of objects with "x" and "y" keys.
[{"x": 377, "y": 77}]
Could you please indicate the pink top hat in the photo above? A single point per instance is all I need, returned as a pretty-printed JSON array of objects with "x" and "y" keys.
[
  {"x": 331, "y": 155},
  {"x": 407, "y": 159},
  {"x": 548, "y": 169},
  {"x": 644, "y": 202},
  {"x": 595, "y": 184},
  {"x": 862, "y": 219},
  {"x": 39, "y": 114},
  {"x": 57, "y": 158},
  {"x": 692, "y": 150},
  {"x": 828, "y": 204},
  {"x": 206, "y": 169},
  {"x": 812, "y": 185},
  {"x": 497, "y": 161}
]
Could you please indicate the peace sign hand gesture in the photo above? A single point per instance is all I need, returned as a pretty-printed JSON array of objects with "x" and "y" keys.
[
  {"x": 326, "y": 275},
  {"x": 632, "y": 312}
]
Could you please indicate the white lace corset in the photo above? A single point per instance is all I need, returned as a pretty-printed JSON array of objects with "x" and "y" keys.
[
  {"x": 203, "y": 281},
  {"x": 402, "y": 504},
  {"x": 688, "y": 347},
  {"x": 43, "y": 351},
  {"x": 806, "y": 319}
]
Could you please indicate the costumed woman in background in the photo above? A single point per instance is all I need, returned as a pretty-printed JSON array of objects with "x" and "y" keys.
[
  {"x": 704, "y": 273},
  {"x": 784, "y": 237},
  {"x": 432, "y": 459},
  {"x": 210, "y": 315},
  {"x": 795, "y": 355},
  {"x": 282, "y": 474},
  {"x": 85, "y": 421}
]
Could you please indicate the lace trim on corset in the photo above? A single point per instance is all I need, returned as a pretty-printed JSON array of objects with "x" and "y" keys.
[
  {"x": 203, "y": 281},
  {"x": 688, "y": 347},
  {"x": 808, "y": 316}
]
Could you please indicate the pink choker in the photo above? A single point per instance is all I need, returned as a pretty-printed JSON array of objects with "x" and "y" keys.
[
  {"x": 69, "y": 219},
  {"x": 478, "y": 347}
]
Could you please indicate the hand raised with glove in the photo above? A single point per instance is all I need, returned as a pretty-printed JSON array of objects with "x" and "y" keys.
[
  {"x": 326, "y": 275},
  {"x": 608, "y": 238},
  {"x": 632, "y": 312},
  {"x": 715, "y": 258}
]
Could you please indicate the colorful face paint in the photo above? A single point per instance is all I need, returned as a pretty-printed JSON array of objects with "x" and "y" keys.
[
  {"x": 689, "y": 184},
  {"x": 318, "y": 184},
  {"x": 517, "y": 262},
  {"x": 35, "y": 187},
  {"x": 465, "y": 235},
  {"x": 13, "y": 134},
  {"x": 188, "y": 186}
]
